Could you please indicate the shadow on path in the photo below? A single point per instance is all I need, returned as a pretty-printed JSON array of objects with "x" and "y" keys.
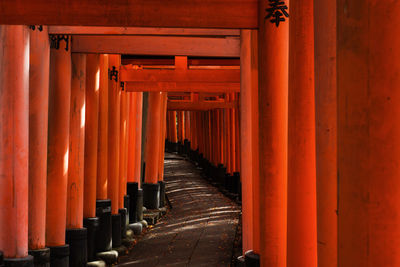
[{"x": 200, "y": 228}]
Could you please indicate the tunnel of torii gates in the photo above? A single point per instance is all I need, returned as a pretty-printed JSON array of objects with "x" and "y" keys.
[{"x": 303, "y": 110}]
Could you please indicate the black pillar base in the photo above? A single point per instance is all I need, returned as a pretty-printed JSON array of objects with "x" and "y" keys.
[
  {"x": 92, "y": 226},
  {"x": 116, "y": 230},
  {"x": 77, "y": 241},
  {"x": 139, "y": 205},
  {"x": 41, "y": 257},
  {"x": 162, "y": 193},
  {"x": 1, "y": 259},
  {"x": 151, "y": 196},
  {"x": 124, "y": 214},
  {"x": 18, "y": 262},
  {"x": 251, "y": 259},
  {"x": 132, "y": 191},
  {"x": 59, "y": 256},
  {"x": 127, "y": 206},
  {"x": 220, "y": 175},
  {"x": 104, "y": 236}
]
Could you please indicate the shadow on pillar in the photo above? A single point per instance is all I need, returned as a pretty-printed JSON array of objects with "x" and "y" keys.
[
  {"x": 77, "y": 241},
  {"x": 104, "y": 236},
  {"x": 41, "y": 257},
  {"x": 92, "y": 226},
  {"x": 151, "y": 195}
]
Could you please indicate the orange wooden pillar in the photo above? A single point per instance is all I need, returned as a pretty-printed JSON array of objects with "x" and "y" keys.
[
  {"x": 14, "y": 147},
  {"x": 114, "y": 116},
  {"x": 174, "y": 132},
  {"x": 135, "y": 146},
  {"x": 273, "y": 52},
  {"x": 151, "y": 187},
  {"x": 58, "y": 149},
  {"x": 302, "y": 206},
  {"x": 76, "y": 235},
  {"x": 326, "y": 131},
  {"x": 102, "y": 162},
  {"x": 103, "y": 203},
  {"x": 368, "y": 54},
  {"x": 39, "y": 64},
  {"x": 91, "y": 124},
  {"x": 249, "y": 141},
  {"x": 123, "y": 163},
  {"x": 163, "y": 113}
]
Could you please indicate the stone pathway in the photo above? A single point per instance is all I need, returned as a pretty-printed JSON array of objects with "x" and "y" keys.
[{"x": 199, "y": 229}]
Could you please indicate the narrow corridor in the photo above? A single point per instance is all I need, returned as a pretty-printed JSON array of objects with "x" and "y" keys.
[{"x": 199, "y": 229}]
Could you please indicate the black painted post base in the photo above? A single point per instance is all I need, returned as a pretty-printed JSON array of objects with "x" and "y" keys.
[
  {"x": 127, "y": 207},
  {"x": 139, "y": 205},
  {"x": 104, "y": 236},
  {"x": 162, "y": 193},
  {"x": 41, "y": 257},
  {"x": 1, "y": 259},
  {"x": 251, "y": 259},
  {"x": 116, "y": 230},
  {"x": 132, "y": 191},
  {"x": 19, "y": 262},
  {"x": 123, "y": 212},
  {"x": 151, "y": 196},
  {"x": 77, "y": 241},
  {"x": 92, "y": 227},
  {"x": 59, "y": 256}
]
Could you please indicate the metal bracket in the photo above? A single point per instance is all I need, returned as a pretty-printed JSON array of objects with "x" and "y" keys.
[
  {"x": 33, "y": 27},
  {"x": 113, "y": 73},
  {"x": 56, "y": 39}
]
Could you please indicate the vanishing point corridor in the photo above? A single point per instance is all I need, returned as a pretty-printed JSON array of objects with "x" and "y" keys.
[{"x": 199, "y": 229}]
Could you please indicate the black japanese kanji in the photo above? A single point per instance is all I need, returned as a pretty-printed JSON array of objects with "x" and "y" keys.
[
  {"x": 113, "y": 74},
  {"x": 56, "y": 39},
  {"x": 277, "y": 11}
]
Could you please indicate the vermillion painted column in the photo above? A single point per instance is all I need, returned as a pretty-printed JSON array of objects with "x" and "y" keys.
[
  {"x": 302, "y": 206},
  {"x": 76, "y": 235},
  {"x": 368, "y": 64},
  {"x": 114, "y": 102},
  {"x": 102, "y": 162},
  {"x": 39, "y": 64},
  {"x": 131, "y": 136},
  {"x": 58, "y": 149},
  {"x": 249, "y": 141},
  {"x": 326, "y": 130},
  {"x": 14, "y": 147},
  {"x": 273, "y": 50},
  {"x": 163, "y": 121},
  {"x": 103, "y": 204},
  {"x": 174, "y": 131},
  {"x": 151, "y": 188},
  {"x": 123, "y": 163},
  {"x": 90, "y": 221}
]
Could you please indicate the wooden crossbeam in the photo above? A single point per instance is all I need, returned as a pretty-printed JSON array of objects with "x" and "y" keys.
[
  {"x": 90, "y": 30},
  {"x": 191, "y": 61},
  {"x": 182, "y": 87},
  {"x": 200, "y": 105},
  {"x": 174, "y": 75},
  {"x": 157, "y": 45},
  {"x": 229, "y": 14}
]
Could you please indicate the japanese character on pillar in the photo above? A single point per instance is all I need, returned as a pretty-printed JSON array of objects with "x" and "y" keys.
[
  {"x": 56, "y": 39},
  {"x": 277, "y": 11},
  {"x": 113, "y": 73}
]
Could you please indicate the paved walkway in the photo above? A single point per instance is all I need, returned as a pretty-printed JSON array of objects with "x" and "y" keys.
[{"x": 200, "y": 228}]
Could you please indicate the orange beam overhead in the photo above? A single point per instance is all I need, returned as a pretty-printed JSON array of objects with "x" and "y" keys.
[
  {"x": 141, "y": 31},
  {"x": 181, "y": 87},
  {"x": 157, "y": 45},
  {"x": 191, "y": 61},
  {"x": 199, "y": 105},
  {"x": 173, "y": 75},
  {"x": 151, "y": 13}
]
